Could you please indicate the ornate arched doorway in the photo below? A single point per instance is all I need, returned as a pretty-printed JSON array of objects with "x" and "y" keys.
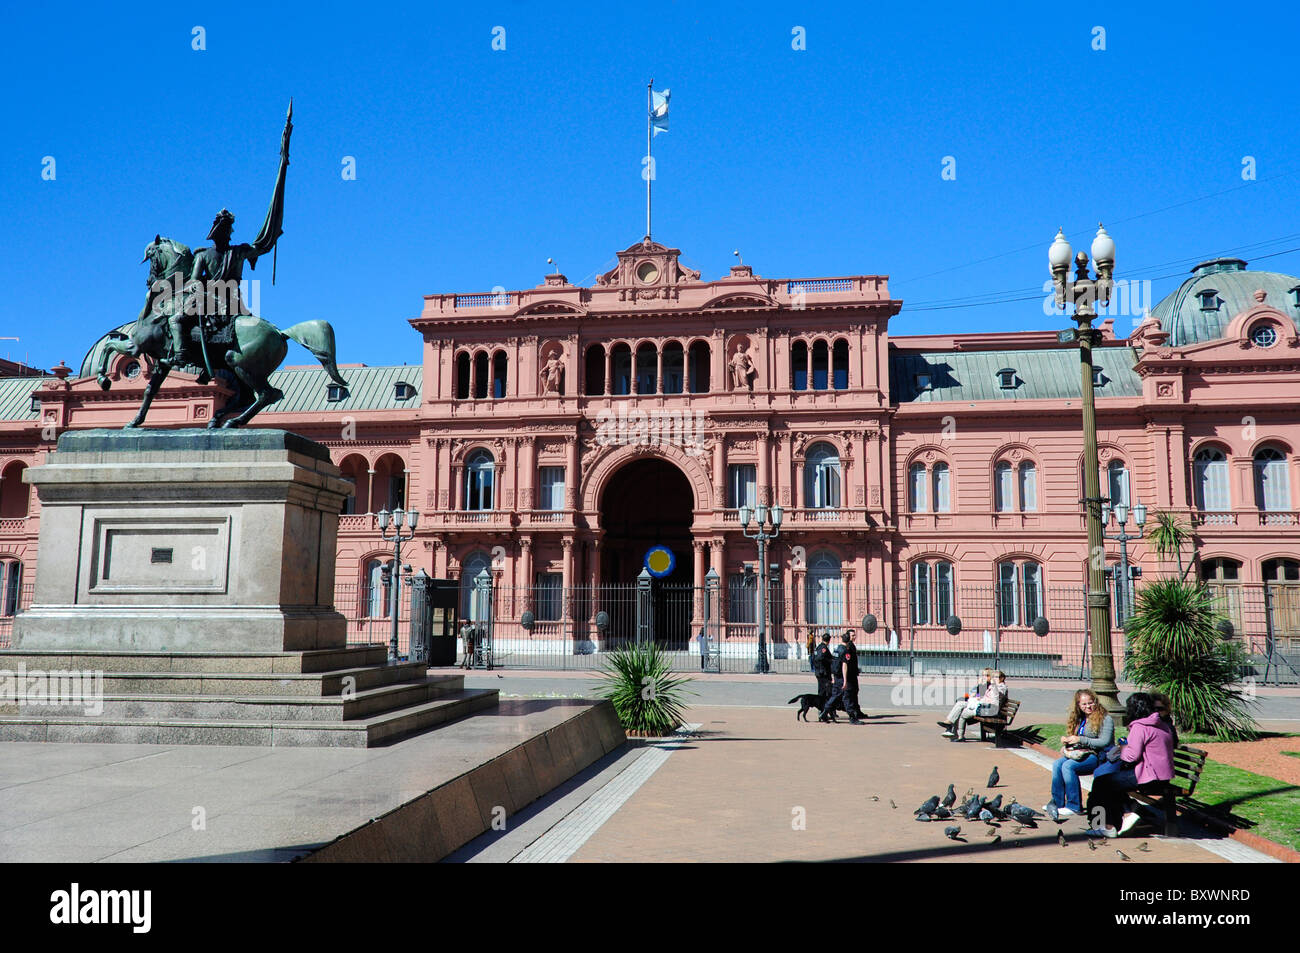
[{"x": 648, "y": 502}]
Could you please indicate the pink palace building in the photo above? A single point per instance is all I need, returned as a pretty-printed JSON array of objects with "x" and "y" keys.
[{"x": 550, "y": 437}]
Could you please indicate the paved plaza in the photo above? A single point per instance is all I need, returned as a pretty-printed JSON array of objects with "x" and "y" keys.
[{"x": 751, "y": 784}]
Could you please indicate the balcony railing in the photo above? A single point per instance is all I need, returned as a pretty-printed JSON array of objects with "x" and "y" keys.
[
  {"x": 488, "y": 300},
  {"x": 1246, "y": 518},
  {"x": 14, "y": 525}
]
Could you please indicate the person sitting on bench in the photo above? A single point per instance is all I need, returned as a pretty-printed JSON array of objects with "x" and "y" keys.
[
  {"x": 986, "y": 705},
  {"x": 1146, "y": 761}
]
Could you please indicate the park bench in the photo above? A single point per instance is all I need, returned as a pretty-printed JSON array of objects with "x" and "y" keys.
[
  {"x": 998, "y": 723},
  {"x": 1188, "y": 765}
]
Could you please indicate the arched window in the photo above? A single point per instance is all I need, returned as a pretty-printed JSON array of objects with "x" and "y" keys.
[
  {"x": 473, "y": 606},
  {"x": 799, "y": 366},
  {"x": 1272, "y": 484},
  {"x": 463, "y": 377},
  {"x": 480, "y": 481},
  {"x": 15, "y": 495},
  {"x": 594, "y": 371},
  {"x": 355, "y": 471},
  {"x": 820, "y": 366},
  {"x": 917, "y": 497},
  {"x": 1117, "y": 483},
  {"x": 825, "y": 590},
  {"x": 674, "y": 368},
  {"x": 1210, "y": 483},
  {"x": 939, "y": 479},
  {"x": 1282, "y": 598},
  {"x": 647, "y": 369},
  {"x": 699, "y": 367},
  {"x": 822, "y": 476},
  {"x": 499, "y": 364},
  {"x": 1028, "y": 487},
  {"x": 932, "y": 591},
  {"x": 480, "y": 375},
  {"x": 389, "y": 483},
  {"x": 621, "y": 369},
  {"x": 1222, "y": 577},
  {"x": 840, "y": 365},
  {"x": 1020, "y": 592},
  {"x": 377, "y": 604}
]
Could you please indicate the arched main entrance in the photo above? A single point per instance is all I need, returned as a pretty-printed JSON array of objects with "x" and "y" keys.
[{"x": 647, "y": 503}]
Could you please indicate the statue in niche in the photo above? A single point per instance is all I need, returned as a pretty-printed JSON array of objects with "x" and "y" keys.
[
  {"x": 553, "y": 374},
  {"x": 742, "y": 369}
]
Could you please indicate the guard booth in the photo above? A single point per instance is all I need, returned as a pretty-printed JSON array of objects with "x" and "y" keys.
[{"x": 434, "y": 617}]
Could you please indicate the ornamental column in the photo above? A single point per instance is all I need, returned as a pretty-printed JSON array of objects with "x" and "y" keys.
[
  {"x": 526, "y": 570},
  {"x": 764, "y": 470},
  {"x": 698, "y": 572},
  {"x": 567, "y": 579}
]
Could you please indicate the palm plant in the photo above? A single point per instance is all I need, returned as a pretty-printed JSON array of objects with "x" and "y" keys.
[
  {"x": 1174, "y": 647},
  {"x": 1168, "y": 536},
  {"x": 646, "y": 696}
]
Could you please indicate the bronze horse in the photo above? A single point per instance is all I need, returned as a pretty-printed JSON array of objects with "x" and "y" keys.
[{"x": 257, "y": 347}]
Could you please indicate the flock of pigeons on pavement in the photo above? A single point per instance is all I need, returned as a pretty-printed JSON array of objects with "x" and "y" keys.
[{"x": 991, "y": 813}]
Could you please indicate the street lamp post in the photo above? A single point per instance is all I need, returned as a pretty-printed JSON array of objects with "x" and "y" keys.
[
  {"x": 1083, "y": 292},
  {"x": 1125, "y": 588},
  {"x": 398, "y": 518},
  {"x": 763, "y": 531}
]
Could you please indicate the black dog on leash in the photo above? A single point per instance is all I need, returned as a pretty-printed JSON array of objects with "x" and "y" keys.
[{"x": 809, "y": 701}]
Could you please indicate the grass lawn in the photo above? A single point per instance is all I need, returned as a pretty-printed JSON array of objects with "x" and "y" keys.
[{"x": 1272, "y": 806}]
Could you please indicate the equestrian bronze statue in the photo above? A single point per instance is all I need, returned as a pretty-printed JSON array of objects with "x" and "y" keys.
[{"x": 195, "y": 316}]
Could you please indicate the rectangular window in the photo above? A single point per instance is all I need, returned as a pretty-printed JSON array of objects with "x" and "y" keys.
[
  {"x": 550, "y": 596},
  {"x": 741, "y": 482},
  {"x": 916, "y": 491},
  {"x": 1033, "y": 593},
  {"x": 551, "y": 492},
  {"x": 742, "y": 598},
  {"x": 826, "y": 485},
  {"x": 1028, "y": 488},
  {"x": 943, "y": 604},
  {"x": 13, "y": 576},
  {"x": 1118, "y": 476},
  {"x": 941, "y": 504},
  {"x": 1002, "y": 495},
  {"x": 920, "y": 594},
  {"x": 1007, "y": 594}
]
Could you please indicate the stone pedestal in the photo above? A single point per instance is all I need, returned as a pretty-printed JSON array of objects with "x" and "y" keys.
[{"x": 185, "y": 541}]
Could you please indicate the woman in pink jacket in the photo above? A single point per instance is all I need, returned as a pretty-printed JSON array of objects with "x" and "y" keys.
[{"x": 1146, "y": 760}]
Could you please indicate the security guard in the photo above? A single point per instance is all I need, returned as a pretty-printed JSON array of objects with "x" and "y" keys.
[
  {"x": 836, "y": 699},
  {"x": 822, "y": 657}
]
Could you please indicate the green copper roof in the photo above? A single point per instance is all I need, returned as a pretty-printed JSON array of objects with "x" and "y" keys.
[
  {"x": 90, "y": 363},
  {"x": 1039, "y": 375},
  {"x": 1183, "y": 316},
  {"x": 16, "y": 397},
  {"x": 369, "y": 388}
]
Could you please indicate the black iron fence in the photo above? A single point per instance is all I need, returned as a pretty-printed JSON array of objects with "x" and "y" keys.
[{"x": 12, "y": 602}]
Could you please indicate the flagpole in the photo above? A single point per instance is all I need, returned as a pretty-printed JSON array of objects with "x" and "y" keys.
[{"x": 650, "y": 168}]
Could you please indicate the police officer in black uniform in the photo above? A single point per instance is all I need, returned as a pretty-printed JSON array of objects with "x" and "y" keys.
[
  {"x": 850, "y": 662},
  {"x": 821, "y": 665}
]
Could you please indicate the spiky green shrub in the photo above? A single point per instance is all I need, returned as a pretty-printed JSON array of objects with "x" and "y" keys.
[
  {"x": 647, "y": 697},
  {"x": 1174, "y": 647},
  {"x": 1168, "y": 535}
]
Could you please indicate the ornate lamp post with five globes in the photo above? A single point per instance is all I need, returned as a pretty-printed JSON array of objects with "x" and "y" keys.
[{"x": 397, "y": 519}]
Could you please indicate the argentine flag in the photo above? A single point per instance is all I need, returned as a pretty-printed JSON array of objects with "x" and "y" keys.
[{"x": 659, "y": 110}]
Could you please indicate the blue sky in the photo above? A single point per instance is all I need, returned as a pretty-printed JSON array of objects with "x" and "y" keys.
[{"x": 473, "y": 166}]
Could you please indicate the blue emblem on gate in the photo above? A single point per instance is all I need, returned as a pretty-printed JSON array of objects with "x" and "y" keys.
[{"x": 660, "y": 561}]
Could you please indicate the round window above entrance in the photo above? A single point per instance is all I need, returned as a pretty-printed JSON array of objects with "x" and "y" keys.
[
  {"x": 1263, "y": 335},
  {"x": 131, "y": 370},
  {"x": 646, "y": 272}
]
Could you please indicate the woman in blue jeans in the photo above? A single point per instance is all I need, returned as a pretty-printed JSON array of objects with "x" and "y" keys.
[{"x": 1089, "y": 731}]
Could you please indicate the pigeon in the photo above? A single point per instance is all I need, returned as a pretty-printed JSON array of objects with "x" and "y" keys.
[
  {"x": 1143, "y": 847},
  {"x": 942, "y": 812},
  {"x": 1025, "y": 815},
  {"x": 874, "y": 798},
  {"x": 997, "y": 803},
  {"x": 950, "y": 798},
  {"x": 1060, "y": 837},
  {"x": 993, "y": 777},
  {"x": 928, "y": 807},
  {"x": 924, "y": 817},
  {"x": 1123, "y": 856},
  {"x": 986, "y": 815},
  {"x": 951, "y": 832},
  {"x": 1092, "y": 844},
  {"x": 1053, "y": 813},
  {"x": 892, "y": 804}
]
